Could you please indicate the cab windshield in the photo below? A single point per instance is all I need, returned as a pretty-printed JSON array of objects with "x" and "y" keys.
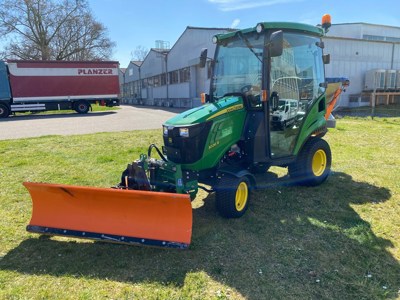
[
  {"x": 281, "y": 105},
  {"x": 238, "y": 67}
]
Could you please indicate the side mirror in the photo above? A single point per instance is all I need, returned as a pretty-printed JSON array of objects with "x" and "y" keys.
[
  {"x": 326, "y": 59},
  {"x": 274, "y": 100},
  {"x": 203, "y": 58},
  {"x": 276, "y": 43}
]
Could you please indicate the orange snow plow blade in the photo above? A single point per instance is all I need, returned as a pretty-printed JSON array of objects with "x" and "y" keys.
[{"x": 111, "y": 215}]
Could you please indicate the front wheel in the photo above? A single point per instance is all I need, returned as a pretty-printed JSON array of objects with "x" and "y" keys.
[
  {"x": 4, "y": 111},
  {"x": 232, "y": 196},
  {"x": 313, "y": 163}
]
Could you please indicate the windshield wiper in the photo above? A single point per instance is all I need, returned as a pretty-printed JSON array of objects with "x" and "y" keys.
[{"x": 249, "y": 46}]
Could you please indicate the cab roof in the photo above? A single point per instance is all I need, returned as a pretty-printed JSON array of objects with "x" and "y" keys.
[{"x": 305, "y": 28}]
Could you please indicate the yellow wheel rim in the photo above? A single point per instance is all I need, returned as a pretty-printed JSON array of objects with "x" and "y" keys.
[
  {"x": 242, "y": 194},
  {"x": 319, "y": 162}
]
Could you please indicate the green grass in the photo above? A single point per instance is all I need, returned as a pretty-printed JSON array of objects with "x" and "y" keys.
[{"x": 340, "y": 240}]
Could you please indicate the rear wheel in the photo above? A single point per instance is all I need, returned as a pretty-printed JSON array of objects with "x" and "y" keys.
[
  {"x": 313, "y": 163},
  {"x": 82, "y": 107},
  {"x": 4, "y": 111},
  {"x": 232, "y": 196}
]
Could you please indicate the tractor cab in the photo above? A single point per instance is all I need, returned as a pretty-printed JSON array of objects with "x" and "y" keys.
[{"x": 278, "y": 71}]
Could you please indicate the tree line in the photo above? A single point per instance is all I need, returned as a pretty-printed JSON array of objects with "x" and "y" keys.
[{"x": 52, "y": 30}]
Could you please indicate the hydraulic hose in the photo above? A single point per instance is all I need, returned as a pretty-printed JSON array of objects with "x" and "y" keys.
[{"x": 158, "y": 151}]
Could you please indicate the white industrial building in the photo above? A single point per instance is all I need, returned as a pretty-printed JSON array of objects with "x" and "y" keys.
[
  {"x": 359, "y": 49},
  {"x": 171, "y": 77}
]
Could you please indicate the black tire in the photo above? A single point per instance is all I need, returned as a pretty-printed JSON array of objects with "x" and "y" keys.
[
  {"x": 232, "y": 196},
  {"x": 313, "y": 163},
  {"x": 81, "y": 107},
  {"x": 4, "y": 111}
]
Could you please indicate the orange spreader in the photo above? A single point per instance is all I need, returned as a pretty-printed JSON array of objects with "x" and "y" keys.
[{"x": 121, "y": 216}]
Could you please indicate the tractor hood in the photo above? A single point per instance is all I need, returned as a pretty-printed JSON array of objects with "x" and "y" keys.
[
  {"x": 197, "y": 138},
  {"x": 207, "y": 111}
]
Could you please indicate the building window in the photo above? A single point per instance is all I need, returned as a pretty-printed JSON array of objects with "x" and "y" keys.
[
  {"x": 150, "y": 81},
  {"x": 136, "y": 87},
  {"x": 392, "y": 39},
  {"x": 156, "y": 80},
  {"x": 184, "y": 74},
  {"x": 132, "y": 92},
  {"x": 163, "y": 79},
  {"x": 173, "y": 77},
  {"x": 381, "y": 38}
]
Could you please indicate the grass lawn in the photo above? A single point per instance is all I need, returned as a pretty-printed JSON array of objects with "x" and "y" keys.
[{"x": 340, "y": 240}]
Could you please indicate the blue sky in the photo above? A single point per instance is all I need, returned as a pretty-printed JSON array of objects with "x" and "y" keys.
[{"x": 133, "y": 23}]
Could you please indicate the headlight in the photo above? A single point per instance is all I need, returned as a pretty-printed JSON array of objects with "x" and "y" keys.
[
  {"x": 184, "y": 132},
  {"x": 165, "y": 130},
  {"x": 215, "y": 39}
]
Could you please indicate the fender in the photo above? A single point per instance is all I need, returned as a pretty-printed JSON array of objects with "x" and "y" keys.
[{"x": 238, "y": 173}]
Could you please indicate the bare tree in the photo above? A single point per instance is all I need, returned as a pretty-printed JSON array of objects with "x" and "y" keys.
[
  {"x": 139, "y": 53},
  {"x": 52, "y": 30}
]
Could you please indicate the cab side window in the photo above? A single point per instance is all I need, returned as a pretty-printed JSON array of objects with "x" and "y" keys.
[{"x": 295, "y": 76}]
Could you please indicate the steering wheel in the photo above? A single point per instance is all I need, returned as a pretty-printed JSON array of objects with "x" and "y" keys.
[
  {"x": 252, "y": 93},
  {"x": 247, "y": 88}
]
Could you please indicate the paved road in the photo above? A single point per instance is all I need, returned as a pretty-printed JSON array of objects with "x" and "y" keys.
[{"x": 124, "y": 119}]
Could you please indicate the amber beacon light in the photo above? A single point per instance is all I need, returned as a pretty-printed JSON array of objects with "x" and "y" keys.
[{"x": 326, "y": 22}]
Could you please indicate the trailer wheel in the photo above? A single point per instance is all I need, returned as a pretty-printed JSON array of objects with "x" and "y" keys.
[
  {"x": 313, "y": 163},
  {"x": 82, "y": 107},
  {"x": 232, "y": 196},
  {"x": 4, "y": 111}
]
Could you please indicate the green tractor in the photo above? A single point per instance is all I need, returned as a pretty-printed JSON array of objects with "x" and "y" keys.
[
  {"x": 266, "y": 107},
  {"x": 242, "y": 130}
]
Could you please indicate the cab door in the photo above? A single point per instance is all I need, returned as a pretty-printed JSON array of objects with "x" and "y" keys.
[{"x": 296, "y": 77}]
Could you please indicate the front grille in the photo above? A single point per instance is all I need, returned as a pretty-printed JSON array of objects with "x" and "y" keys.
[{"x": 186, "y": 150}]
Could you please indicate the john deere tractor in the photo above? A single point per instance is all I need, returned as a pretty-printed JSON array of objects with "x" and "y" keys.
[{"x": 266, "y": 107}]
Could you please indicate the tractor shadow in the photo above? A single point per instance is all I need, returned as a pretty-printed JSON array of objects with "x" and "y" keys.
[{"x": 293, "y": 242}]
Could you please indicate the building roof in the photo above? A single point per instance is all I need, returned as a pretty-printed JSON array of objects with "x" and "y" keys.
[
  {"x": 137, "y": 62},
  {"x": 368, "y": 24},
  {"x": 200, "y": 28},
  {"x": 163, "y": 51}
]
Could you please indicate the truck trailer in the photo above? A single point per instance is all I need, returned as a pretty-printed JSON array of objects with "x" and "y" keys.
[{"x": 27, "y": 86}]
